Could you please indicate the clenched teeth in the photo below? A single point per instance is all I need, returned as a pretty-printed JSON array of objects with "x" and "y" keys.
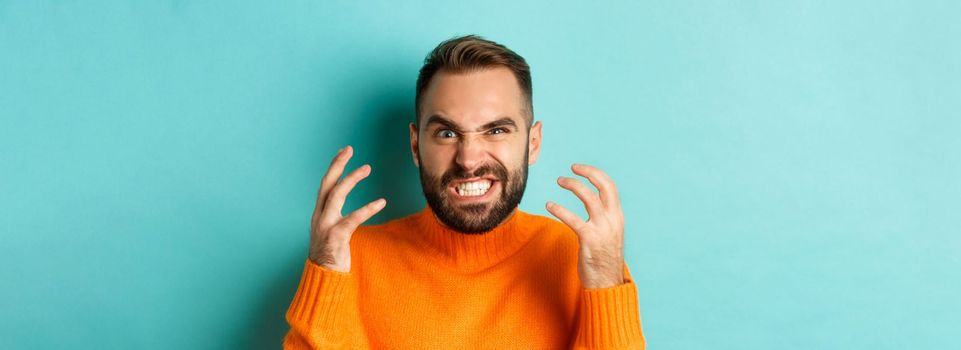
[{"x": 473, "y": 188}]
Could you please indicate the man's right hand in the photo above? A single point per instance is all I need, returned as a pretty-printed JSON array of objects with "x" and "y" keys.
[{"x": 330, "y": 231}]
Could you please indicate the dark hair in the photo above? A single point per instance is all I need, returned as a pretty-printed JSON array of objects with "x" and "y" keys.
[{"x": 470, "y": 53}]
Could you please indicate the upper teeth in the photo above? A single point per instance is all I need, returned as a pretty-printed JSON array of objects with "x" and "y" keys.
[{"x": 473, "y": 188}]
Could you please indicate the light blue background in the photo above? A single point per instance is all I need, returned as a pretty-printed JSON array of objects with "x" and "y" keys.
[{"x": 789, "y": 170}]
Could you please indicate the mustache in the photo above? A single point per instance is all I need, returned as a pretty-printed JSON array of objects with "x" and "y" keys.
[{"x": 458, "y": 173}]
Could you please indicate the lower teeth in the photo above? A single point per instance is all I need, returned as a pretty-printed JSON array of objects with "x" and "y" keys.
[{"x": 473, "y": 193}]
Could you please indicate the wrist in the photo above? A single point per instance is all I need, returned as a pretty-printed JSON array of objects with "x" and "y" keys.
[
  {"x": 601, "y": 273},
  {"x": 332, "y": 256},
  {"x": 602, "y": 280}
]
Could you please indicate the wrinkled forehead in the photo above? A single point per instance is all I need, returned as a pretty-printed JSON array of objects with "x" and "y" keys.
[{"x": 473, "y": 99}]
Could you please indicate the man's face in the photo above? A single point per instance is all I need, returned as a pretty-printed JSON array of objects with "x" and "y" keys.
[{"x": 472, "y": 147}]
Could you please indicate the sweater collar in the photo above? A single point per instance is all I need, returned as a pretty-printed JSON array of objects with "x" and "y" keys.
[{"x": 472, "y": 252}]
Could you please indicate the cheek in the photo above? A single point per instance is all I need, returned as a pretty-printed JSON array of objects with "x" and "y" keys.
[
  {"x": 510, "y": 157},
  {"x": 435, "y": 162},
  {"x": 436, "y": 159}
]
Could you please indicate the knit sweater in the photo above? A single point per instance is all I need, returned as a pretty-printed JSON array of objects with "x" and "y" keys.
[{"x": 414, "y": 283}]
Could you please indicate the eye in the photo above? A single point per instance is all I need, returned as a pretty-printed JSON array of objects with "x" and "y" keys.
[
  {"x": 496, "y": 131},
  {"x": 445, "y": 133}
]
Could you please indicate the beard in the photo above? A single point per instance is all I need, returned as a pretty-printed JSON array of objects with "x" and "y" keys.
[{"x": 474, "y": 218}]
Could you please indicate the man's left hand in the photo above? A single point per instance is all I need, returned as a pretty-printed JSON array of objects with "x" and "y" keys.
[{"x": 601, "y": 254}]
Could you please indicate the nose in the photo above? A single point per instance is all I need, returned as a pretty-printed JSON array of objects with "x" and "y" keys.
[{"x": 470, "y": 154}]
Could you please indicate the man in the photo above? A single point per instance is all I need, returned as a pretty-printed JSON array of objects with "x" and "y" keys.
[{"x": 470, "y": 270}]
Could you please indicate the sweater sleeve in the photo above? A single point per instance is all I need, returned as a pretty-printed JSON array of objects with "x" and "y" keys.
[
  {"x": 609, "y": 317},
  {"x": 321, "y": 315}
]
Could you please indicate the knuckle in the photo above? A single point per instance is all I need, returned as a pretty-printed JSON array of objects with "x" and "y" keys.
[
  {"x": 609, "y": 180},
  {"x": 582, "y": 189},
  {"x": 340, "y": 189},
  {"x": 363, "y": 171},
  {"x": 326, "y": 179}
]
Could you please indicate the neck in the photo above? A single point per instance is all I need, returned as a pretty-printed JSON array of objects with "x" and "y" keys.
[{"x": 472, "y": 252}]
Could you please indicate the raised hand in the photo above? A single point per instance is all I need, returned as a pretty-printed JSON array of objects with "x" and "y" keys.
[
  {"x": 601, "y": 253},
  {"x": 330, "y": 231}
]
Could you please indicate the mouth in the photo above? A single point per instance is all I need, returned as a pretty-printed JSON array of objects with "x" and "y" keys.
[{"x": 474, "y": 189}]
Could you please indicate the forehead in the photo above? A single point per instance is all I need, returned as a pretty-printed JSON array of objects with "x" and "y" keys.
[{"x": 474, "y": 98}]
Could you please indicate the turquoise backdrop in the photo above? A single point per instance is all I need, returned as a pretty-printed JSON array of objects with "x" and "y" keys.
[{"x": 789, "y": 169}]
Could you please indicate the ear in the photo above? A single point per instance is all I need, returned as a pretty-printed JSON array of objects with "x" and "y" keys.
[
  {"x": 413, "y": 143},
  {"x": 534, "y": 143}
]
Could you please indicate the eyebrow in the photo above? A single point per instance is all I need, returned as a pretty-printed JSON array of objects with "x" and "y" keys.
[{"x": 503, "y": 121}]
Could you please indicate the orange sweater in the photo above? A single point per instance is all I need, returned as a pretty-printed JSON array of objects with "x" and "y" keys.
[{"x": 416, "y": 284}]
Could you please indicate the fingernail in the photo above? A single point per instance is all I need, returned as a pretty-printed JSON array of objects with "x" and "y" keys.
[{"x": 550, "y": 204}]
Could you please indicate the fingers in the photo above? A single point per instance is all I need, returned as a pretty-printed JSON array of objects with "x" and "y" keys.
[
  {"x": 566, "y": 216},
  {"x": 338, "y": 194},
  {"x": 603, "y": 182},
  {"x": 591, "y": 201},
  {"x": 361, "y": 215},
  {"x": 334, "y": 171}
]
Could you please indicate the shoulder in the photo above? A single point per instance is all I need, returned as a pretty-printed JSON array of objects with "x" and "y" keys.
[{"x": 390, "y": 231}]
